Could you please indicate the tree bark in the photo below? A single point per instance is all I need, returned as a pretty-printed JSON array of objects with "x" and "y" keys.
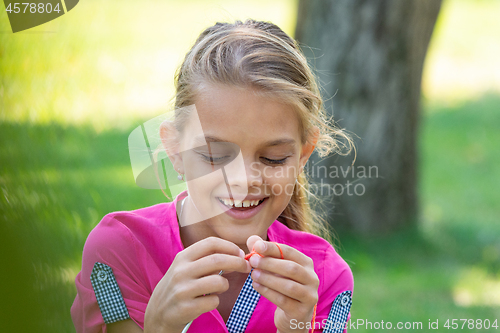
[{"x": 369, "y": 56}]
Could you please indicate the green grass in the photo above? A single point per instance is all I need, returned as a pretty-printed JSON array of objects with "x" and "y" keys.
[
  {"x": 449, "y": 267},
  {"x": 461, "y": 176},
  {"x": 57, "y": 183}
]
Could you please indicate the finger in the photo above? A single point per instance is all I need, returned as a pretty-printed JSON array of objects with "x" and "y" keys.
[
  {"x": 210, "y": 284},
  {"x": 270, "y": 249},
  {"x": 211, "y": 245},
  {"x": 251, "y": 241},
  {"x": 197, "y": 306},
  {"x": 285, "y": 303},
  {"x": 292, "y": 289},
  {"x": 285, "y": 268},
  {"x": 214, "y": 263}
]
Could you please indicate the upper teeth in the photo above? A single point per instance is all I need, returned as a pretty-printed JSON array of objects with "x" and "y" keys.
[{"x": 244, "y": 203}]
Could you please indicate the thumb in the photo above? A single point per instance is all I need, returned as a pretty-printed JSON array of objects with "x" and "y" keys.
[{"x": 252, "y": 240}]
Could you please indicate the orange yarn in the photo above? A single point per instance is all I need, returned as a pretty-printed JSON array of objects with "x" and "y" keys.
[
  {"x": 314, "y": 318},
  {"x": 247, "y": 257},
  {"x": 279, "y": 248}
]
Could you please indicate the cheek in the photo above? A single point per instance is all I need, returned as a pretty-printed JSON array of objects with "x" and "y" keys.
[
  {"x": 282, "y": 180},
  {"x": 200, "y": 177},
  {"x": 194, "y": 166},
  {"x": 200, "y": 174}
]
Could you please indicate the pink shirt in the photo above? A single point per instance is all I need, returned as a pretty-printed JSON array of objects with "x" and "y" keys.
[{"x": 140, "y": 246}]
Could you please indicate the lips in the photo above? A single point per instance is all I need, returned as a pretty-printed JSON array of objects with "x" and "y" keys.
[
  {"x": 247, "y": 203},
  {"x": 243, "y": 213}
]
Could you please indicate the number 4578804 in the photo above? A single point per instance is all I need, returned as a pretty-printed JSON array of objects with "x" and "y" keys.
[
  {"x": 471, "y": 324},
  {"x": 33, "y": 7}
]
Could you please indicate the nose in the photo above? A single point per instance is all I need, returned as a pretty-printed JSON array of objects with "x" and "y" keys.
[
  {"x": 254, "y": 174},
  {"x": 242, "y": 174}
]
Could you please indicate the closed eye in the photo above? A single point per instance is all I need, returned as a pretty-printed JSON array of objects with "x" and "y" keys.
[
  {"x": 275, "y": 162},
  {"x": 213, "y": 160}
]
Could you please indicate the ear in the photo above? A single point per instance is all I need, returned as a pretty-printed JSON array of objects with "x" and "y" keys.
[
  {"x": 170, "y": 140},
  {"x": 308, "y": 147}
]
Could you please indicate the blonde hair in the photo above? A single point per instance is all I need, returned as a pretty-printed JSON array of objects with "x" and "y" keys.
[{"x": 260, "y": 55}]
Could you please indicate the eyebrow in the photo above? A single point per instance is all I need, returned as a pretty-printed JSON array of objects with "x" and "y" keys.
[{"x": 277, "y": 142}]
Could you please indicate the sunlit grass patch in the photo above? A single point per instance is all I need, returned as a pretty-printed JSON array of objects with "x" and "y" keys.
[{"x": 477, "y": 287}]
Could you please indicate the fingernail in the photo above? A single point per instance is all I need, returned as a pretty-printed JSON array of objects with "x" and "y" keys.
[
  {"x": 254, "y": 260},
  {"x": 242, "y": 254},
  {"x": 256, "y": 274},
  {"x": 261, "y": 246}
]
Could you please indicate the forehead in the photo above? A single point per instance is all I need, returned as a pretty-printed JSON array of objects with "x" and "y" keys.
[{"x": 243, "y": 116}]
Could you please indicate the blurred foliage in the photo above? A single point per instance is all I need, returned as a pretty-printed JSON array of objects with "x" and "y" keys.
[
  {"x": 462, "y": 61},
  {"x": 111, "y": 64},
  {"x": 450, "y": 266},
  {"x": 57, "y": 183},
  {"x": 74, "y": 88},
  {"x": 461, "y": 177}
]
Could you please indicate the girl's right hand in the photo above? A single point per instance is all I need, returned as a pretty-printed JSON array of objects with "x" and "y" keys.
[{"x": 178, "y": 297}]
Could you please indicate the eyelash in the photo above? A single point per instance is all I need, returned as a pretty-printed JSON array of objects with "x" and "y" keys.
[
  {"x": 211, "y": 160},
  {"x": 276, "y": 162}
]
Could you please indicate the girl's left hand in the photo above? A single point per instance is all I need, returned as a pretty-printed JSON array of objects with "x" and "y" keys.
[{"x": 290, "y": 283}]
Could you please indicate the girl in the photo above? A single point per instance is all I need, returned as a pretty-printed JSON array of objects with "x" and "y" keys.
[{"x": 248, "y": 116}]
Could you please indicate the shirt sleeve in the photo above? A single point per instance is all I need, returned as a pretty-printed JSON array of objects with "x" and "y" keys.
[
  {"x": 109, "y": 262},
  {"x": 335, "y": 294}
]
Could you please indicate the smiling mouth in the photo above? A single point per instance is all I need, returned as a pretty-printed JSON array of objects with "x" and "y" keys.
[{"x": 240, "y": 205}]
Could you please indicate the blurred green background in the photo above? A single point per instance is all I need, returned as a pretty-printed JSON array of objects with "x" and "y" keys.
[{"x": 73, "y": 89}]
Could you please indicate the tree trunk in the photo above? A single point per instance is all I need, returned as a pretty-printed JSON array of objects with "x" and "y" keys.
[{"x": 369, "y": 57}]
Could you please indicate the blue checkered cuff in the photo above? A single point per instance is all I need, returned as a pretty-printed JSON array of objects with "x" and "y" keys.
[
  {"x": 243, "y": 308},
  {"x": 338, "y": 313},
  {"x": 108, "y": 294}
]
